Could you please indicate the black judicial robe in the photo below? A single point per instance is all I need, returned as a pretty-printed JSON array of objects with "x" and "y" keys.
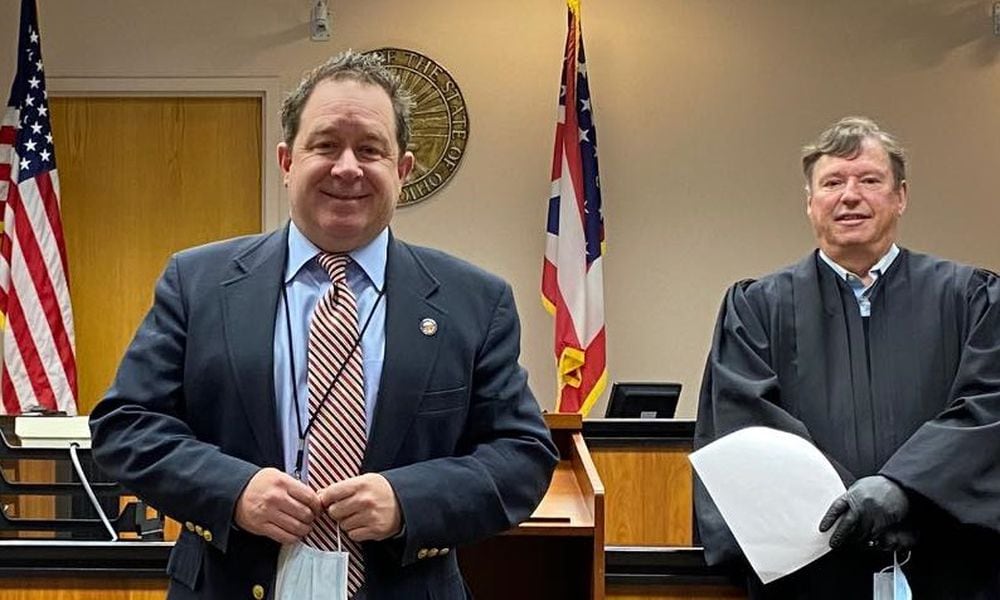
[{"x": 912, "y": 392}]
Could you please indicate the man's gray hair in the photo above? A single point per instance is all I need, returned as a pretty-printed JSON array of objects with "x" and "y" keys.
[
  {"x": 843, "y": 140},
  {"x": 354, "y": 66}
]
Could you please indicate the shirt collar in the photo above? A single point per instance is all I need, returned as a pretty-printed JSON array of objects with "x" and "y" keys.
[
  {"x": 876, "y": 270},
  {"x": 371, "y": 257}
]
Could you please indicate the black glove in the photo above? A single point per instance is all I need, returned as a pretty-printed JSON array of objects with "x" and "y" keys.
[
  {"x": 869, "y": 507},
  {"x": 897, "y": 538}
]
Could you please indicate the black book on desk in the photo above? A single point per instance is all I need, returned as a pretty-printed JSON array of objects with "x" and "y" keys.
[{"x": 651, "y": 400}]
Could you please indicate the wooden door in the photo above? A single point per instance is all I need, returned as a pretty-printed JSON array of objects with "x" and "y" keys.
[{"x": 140, "y": 179}]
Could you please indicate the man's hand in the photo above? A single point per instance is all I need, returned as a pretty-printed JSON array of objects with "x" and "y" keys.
[
  {"x": 868, "y": 508},
  {"x": 276, "y": 505},
  {"x": 365, "y": 507}
]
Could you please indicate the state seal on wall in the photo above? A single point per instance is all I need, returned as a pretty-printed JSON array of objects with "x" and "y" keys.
[{"x": 440, "y": 122}]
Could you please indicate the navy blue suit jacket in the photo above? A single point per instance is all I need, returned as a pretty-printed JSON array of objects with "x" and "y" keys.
[{"x": 191, "y": 416}]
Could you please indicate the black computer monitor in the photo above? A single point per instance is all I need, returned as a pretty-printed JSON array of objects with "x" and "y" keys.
[{"x": 643, "y": 400}]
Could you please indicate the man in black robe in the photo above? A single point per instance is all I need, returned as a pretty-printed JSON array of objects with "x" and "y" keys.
[{"x": 889, "y": 362}]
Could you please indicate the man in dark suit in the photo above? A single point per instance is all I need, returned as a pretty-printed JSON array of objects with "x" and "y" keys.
[{"x": 208, "y": 413}]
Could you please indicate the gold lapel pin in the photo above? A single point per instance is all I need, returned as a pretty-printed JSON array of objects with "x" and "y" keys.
[{"x": 428, "y": 327}]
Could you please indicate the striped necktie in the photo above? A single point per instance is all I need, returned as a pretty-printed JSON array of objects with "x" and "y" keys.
[{"x": 336, "y": 404}]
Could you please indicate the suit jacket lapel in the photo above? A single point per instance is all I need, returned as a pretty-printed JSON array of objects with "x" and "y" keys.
[
  {"x": 250, "y": 301},
  {"x": 409, "y": 354}
]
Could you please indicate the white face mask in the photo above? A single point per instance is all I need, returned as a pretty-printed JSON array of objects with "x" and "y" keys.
[
  {"x": 305, "y": 573},
  {"x": 890, "y": 583}
]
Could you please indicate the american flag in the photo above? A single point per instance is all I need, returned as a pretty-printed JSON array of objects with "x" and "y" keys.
[
  {"x": 39, "y": 359},
  {"x": 572, "y": 275}
]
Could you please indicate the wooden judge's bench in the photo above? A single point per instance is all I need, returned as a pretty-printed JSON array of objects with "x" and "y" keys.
[
  {"x": 628, "y": 538},
  {"x": 650, "y": 546}
]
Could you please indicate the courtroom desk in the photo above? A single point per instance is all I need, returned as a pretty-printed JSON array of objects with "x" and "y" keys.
[
  {"x": 31, "y": 570},
  {"x": 135, "y": 571},
  {"x": 647, "y": 479},
  {"x": 650, "y": 551},
  {"x": 558, "y": 553},
  {"x": 666, "y": 573}
]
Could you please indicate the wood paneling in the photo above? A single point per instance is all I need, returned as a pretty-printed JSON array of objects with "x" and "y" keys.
[
  {"x": 535, "y": 567},
  {"x": 559, "y": 551},
  {"x": 35, "y": 507},
  {"x": 647, "y": 495},
  {"x": 140, "y": 179},
  {"x": 171, "y": 528},
  {"x": 82, "y": 589},
  {"x": 670, "y": 592},
  {"x": 30, "y": 506}
]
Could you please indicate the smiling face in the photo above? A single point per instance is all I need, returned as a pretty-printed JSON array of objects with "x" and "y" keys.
[
  {"x": 854, "y": 205},
  {"x": 344, "y": 170}
]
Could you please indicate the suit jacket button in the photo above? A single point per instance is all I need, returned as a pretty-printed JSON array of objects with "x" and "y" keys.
[
  {"x": 445, "y": 551},
  {"x": 189, "y": 525},
  {"x": 432, "y": 552},
  {"x": 258, "y": 592},
  {"x": 422, "y": 554},
  {"x": 208, "y": 536},
  {"x": 198, "y": 529}
]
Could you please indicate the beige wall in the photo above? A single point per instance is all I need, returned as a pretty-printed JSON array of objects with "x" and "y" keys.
[{"x": 701, "y": 107}]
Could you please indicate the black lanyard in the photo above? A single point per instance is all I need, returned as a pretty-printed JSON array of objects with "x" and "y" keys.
[{"x": 300, "y": 450}]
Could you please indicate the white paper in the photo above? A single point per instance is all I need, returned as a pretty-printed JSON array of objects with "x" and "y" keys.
[{"x": 772, "y": 489}]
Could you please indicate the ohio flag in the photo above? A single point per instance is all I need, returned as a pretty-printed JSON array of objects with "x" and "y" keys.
[{"x": 572, "y": 280}]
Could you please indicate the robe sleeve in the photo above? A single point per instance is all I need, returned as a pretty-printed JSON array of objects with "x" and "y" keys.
[
  {"x": 953, "y": 460},
  {"x": 740, "y": 388}
]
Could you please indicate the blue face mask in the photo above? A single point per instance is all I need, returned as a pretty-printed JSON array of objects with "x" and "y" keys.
[
  {"x": 890, "y": 583},
  {"x": 305, "y": 573}
]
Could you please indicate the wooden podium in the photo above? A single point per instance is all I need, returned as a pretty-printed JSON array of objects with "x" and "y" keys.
[
  {"x": 651, "y": 551},
  {"x": 559, "y": 551}
]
